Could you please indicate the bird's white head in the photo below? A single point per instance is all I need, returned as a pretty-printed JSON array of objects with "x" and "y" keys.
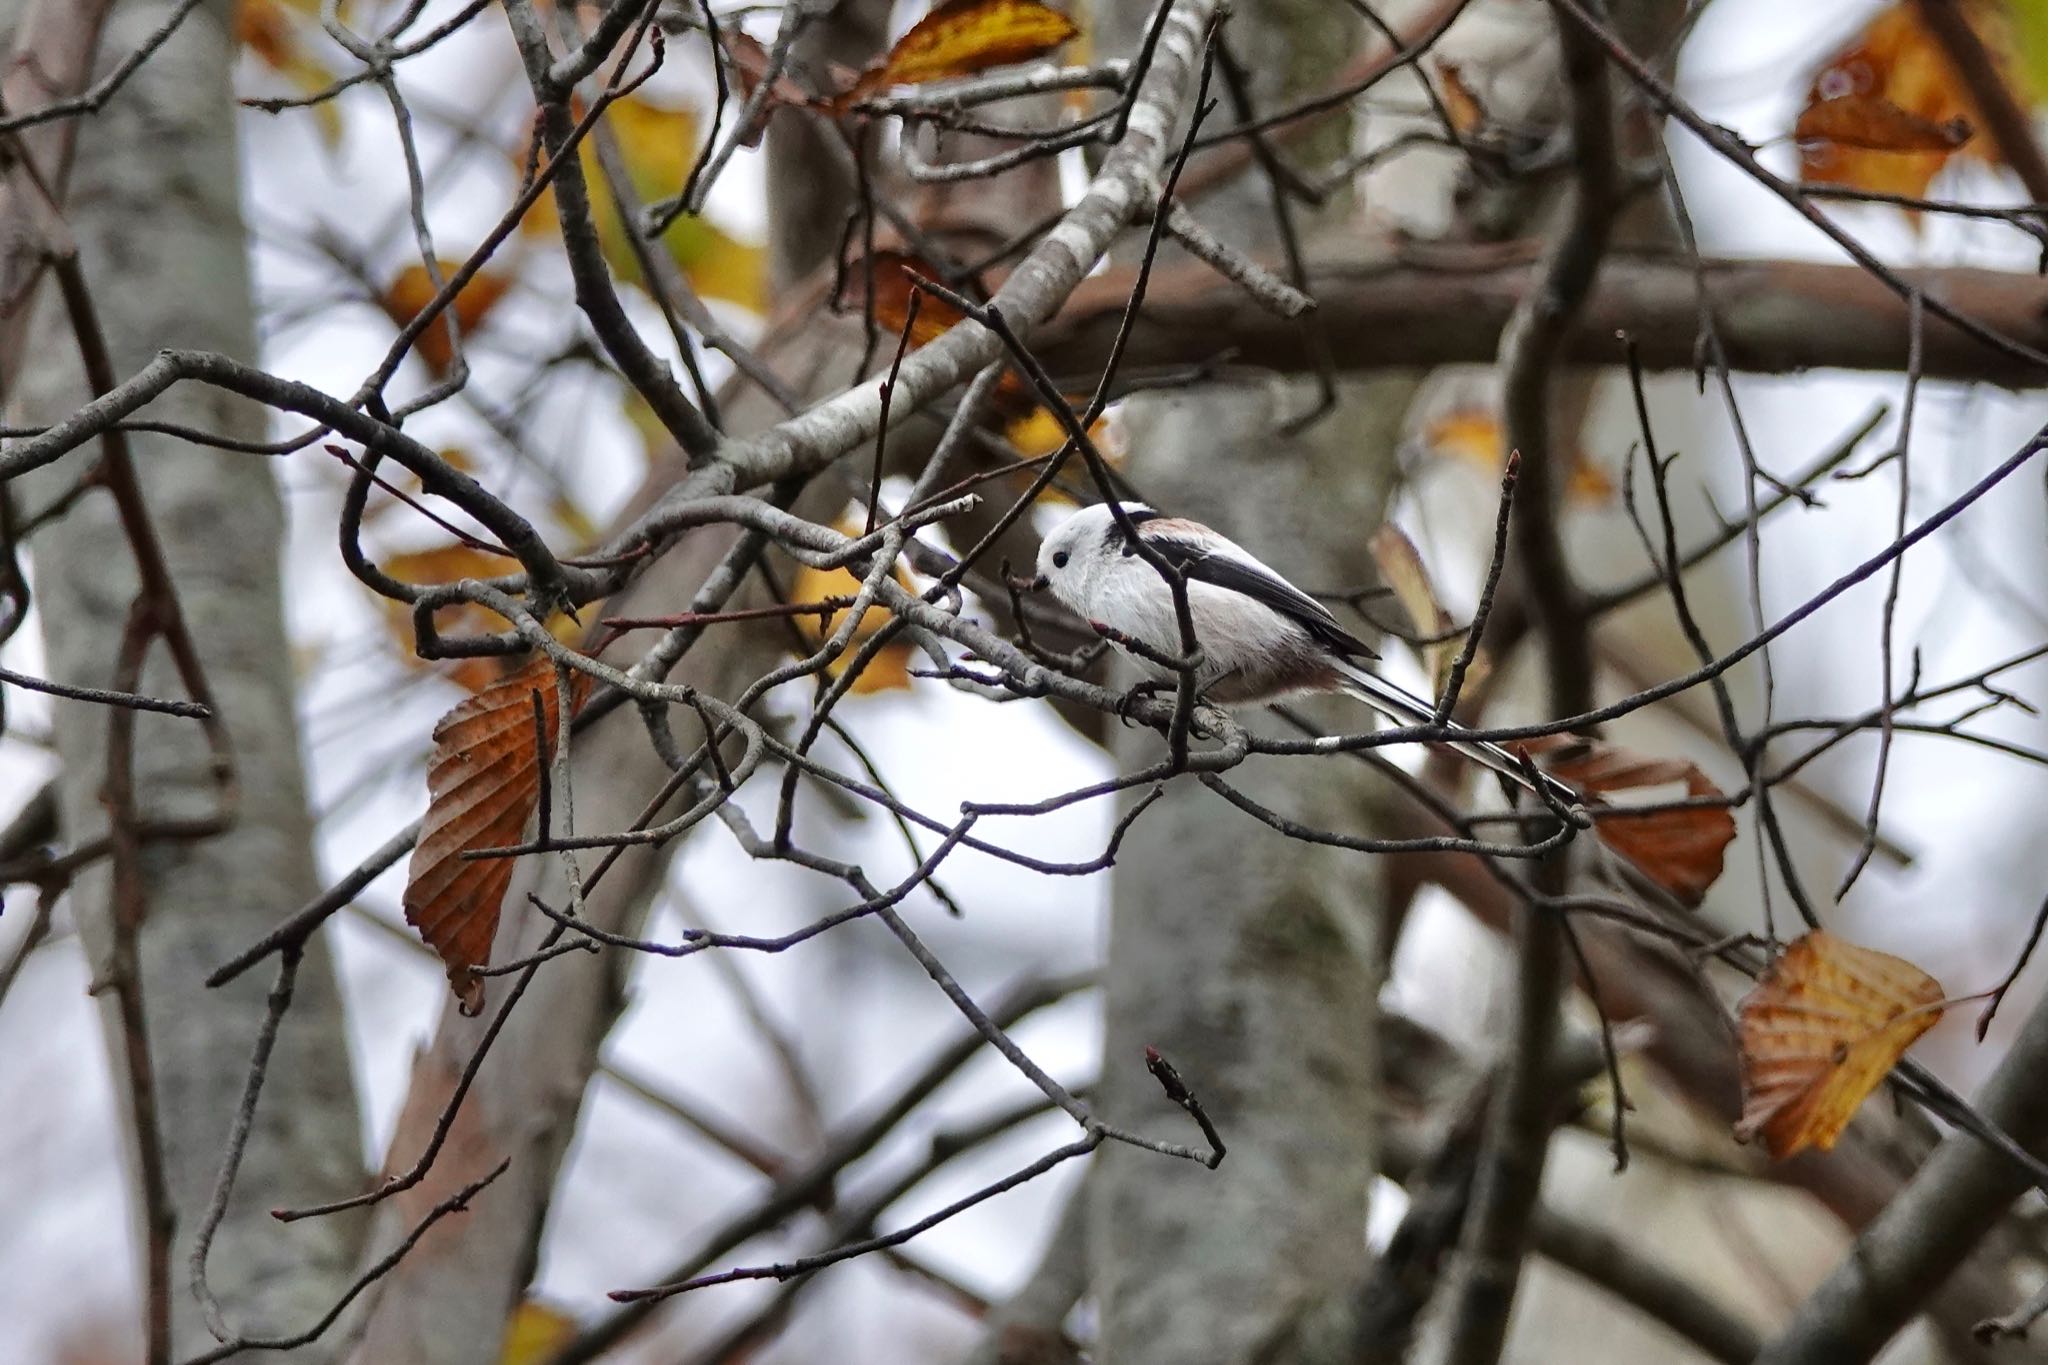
[{"x": 1078, "y": 547}]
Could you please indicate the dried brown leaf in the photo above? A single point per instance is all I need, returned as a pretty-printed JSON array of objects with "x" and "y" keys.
[
  {"x": 483, "y": 783},
  {"x": 1680, "y": 849},
  {"x": 1822, "y": 1027}
]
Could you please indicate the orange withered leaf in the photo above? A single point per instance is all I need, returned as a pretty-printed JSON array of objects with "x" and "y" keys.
[
  {"x": 1887, "y": 111},
  {"x": 1822, "y": 1027},
  {"x": 483, "y": 784},
  {"x": 1467, "y": 114},
  {"x": 1680, "y": 847},
  {"x": 412, "y": 289},
  {"x": 885, "y": 278},
  {"x": 961, "y": 37}
]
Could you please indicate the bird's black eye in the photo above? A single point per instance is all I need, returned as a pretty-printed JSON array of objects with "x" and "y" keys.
[{"x": 1059, "y": 559}]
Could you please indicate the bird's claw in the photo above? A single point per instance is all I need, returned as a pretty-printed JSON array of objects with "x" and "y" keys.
[{"x": 1144, "y": 691}]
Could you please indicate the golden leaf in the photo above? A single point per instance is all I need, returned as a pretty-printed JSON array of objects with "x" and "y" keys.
[
  {"x": 535, "y": 1334},
  {"x": 483, "y": 784},
  {"x": 1822, "y": 1027},
  {"x": 961, "y": 37},
  {"x": 274, "y": 32},
  {"x": 888, "y": 670}
]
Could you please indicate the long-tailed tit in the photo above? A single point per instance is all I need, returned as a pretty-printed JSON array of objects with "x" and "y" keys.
[{"x": 1262, "y": 639}]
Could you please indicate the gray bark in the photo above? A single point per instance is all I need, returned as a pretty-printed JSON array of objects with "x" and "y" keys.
[
  {"x": 1251, "y": 961},
  {"x": 153, "y": 204},
  {"x": 448, "y": 1303}
]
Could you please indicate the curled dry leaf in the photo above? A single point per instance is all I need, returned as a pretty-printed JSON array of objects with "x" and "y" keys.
[
  {"x": 1679, "y": 848},
  {"x": 1822, "y": 1027},
  {"x": 483, "y": 783},
  {"x": 961, "y": 37}
]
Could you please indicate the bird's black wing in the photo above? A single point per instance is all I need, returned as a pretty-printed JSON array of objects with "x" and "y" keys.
[{"x": 1226, "y": 571}]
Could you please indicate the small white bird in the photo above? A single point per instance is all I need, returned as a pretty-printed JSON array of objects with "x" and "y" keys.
[{"x": 1262, "y": 639}]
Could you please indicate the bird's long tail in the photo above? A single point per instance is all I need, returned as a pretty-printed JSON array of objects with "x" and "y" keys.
[{"x": 1405, "y": 708}]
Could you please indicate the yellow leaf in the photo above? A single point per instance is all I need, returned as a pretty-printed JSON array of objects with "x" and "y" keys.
[
  {"x": 1823, "y": 1026},
  {"x": 2030, "y": 49},
  {"x": 1474, "y": 434},
  {"x": 659, "y": 144},
  {"x": 275, "y": 33},
  {"x": 535, "y": 1334},
  {"x": 889, "y": 669},
  {"x": 961, "y": 37}
]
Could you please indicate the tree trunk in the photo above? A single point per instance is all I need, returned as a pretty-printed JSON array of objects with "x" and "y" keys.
[
  {"x": 153, "y": 206},
  {"x": 1251, "y": 961},
  {"x": 448, "y": 1303}
]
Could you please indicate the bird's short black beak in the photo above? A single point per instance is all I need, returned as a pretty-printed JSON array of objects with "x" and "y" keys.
[{"x": 1040, "y": 583}]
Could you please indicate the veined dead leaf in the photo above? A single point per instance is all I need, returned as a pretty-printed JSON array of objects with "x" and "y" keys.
[
  {"x": 1887, "y": 111},
  {"x": 1474, "y": 434},
  {"x": 888, "y": 670},
  {"x": 483, "y": 784},
  {"x": 1822, "y": 1027},
  {"x": 1680, "y": 849},
  {"x": 1402, "y": 570},
  {"x": 961, "y": 37},
  {"x": 412, "y": 289}
]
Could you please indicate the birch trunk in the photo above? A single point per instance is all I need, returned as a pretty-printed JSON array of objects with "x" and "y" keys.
[{"x": 153, "y": 205}]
